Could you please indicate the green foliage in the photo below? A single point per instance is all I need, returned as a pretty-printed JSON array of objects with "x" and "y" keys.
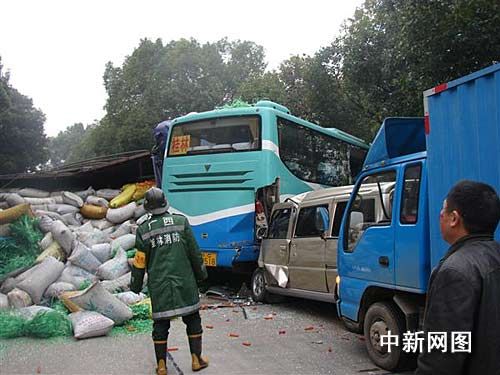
[
  {"x": 159, "y": 81},
  {"x": 22, "y": 248},
  {"x": 61, "y": 147},
  {"x": 84, "y": 285},
  {"x": 24, "y": 144}
]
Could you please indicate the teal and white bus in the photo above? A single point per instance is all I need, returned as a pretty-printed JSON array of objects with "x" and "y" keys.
[{"x": 224, "y": 169}]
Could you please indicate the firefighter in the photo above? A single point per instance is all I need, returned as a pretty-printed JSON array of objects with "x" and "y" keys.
[{"x": 167, "y": 251}]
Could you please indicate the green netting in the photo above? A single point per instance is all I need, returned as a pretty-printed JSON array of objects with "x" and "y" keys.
[
  {"x": 140, "y": 322},
  {"x": 48, "y": 324},
  {"x": 59, "y": 306},
  {"x": 11, "y": 325},
  {"x": 84, "y": 285},
  {"x": 21, "y": 249},
  {"x": 45, "y": 324},
  {"x": 131, "y": 253}
]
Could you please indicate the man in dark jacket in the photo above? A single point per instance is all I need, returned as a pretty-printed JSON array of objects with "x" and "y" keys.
[
  {"x": 464, "y": 289},
  {"x": 167, "y": 251}
]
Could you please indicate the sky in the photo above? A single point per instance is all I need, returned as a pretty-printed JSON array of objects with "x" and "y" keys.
[{"x": 56, "y": 50}]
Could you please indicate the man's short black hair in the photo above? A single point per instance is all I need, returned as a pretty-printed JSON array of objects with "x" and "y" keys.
[{"x": 477, "y": 203}]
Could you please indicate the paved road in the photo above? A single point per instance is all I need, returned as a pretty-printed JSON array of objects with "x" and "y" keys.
[{"x": 295, "y": 337}]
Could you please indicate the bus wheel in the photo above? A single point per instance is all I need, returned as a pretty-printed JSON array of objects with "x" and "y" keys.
[
  {"x": 380, "y": 318},
  {"x": 259, "y": 293}
]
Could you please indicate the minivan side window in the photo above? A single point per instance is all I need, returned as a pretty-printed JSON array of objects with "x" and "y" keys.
[
  {"x": 312, "y": 221},
  {"x": 337, "y": 219},
  {"x": 278, "y": 227},
  {"x": 371, "y": 207},
  {"x": 411, "y": 191}
]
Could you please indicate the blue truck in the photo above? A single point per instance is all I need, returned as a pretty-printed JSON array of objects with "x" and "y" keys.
[{"x": 388, "y": 246}]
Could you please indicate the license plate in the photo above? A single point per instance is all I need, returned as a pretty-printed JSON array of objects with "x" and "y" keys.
[{"x": 210, "y": 259}]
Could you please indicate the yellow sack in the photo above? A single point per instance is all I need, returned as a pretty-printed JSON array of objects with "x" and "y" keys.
[
  {"x": 65, "y": 299},
  {"x": 13, "y": 213},
  {"x": 125, "y": 197},
  {"x": 141, "y": 188},
  {"x": 54, "y": 250},
  {"x": 91, "y": 211}
]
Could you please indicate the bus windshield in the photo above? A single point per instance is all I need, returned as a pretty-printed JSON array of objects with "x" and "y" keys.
[{"x": 225, "y": 134}]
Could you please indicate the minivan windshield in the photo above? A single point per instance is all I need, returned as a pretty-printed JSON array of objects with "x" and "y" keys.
[{"x": 225, "y": 134}]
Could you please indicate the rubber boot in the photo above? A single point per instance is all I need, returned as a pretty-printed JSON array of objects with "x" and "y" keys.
[
  {"x": 161, "y": 357},
  {"x": 197, "y": 361}
]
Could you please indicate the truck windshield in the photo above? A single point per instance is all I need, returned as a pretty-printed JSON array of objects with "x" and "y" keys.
[{"x": 226, "y": 134}]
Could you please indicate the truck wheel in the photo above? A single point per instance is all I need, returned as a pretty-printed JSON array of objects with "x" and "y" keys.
[
  {"x": 259, "y": 293},
  {"x": 380, "y": 318}
]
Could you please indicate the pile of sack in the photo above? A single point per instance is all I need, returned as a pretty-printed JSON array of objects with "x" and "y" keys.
[{"x": 85, "y": 258}]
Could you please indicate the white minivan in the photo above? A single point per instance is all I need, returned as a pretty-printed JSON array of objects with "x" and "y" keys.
[{"x": 298, "y": 255}]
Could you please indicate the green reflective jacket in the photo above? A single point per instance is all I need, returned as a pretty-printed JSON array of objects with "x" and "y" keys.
[{"x": 168, "y": 252}]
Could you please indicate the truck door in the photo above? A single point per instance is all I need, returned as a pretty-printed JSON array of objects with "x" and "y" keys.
[
  {"x": 411, "y": 242},
  {"x": 369, "y": 239},
  {"x": 307, "y": 249}
]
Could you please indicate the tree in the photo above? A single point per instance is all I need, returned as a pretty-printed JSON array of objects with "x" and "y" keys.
[
  {"x": 24, "y": 144},
  {"x": 393, "y": 50},
  {"x": 62, "y": 146}
]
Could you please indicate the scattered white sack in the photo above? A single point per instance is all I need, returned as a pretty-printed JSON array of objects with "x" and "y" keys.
[
  {"x": 39, "y": 207},
  {"x": 63, "y": 209},
  {"x": 75, "y": 275},
  {"x": 87, "y": 227},
  {"x": 14, "y": 199},
  {"x": 56, "y": 193},
  {"x": 82, "y": 257},
  {"x": 97, "y": 201},
  {"x": 93, "y": 238},
  {"x": 123, "y": 229},
  {"x": 46, "y": 241},
  {"x": 52, "y": 215},
  {"x": 107, "y": 194},
  {"x": 5, "y": 230},
  {"x": 101, "y": 224},
  {"x": 55, "y": 289},
  {"x": 53, "y": 250},
  {"x": 63, "y": 235},
  {"x": 99, "y": 299},
  {"x": 119, "y": 215},
  {"x": 34, "y": 193},
  {"x": 8, "y": 285},
  {"x": 121, "y": 284},
  {"x": 4, "y": 205},
  {"x": 24, "y": 275},
  {"x": 4, "y": 301},
  {"x": 38, "y": 201},
  {"x": 125, "y": 242},
  {"x": 139, "y": 211},
  {"x": 85, "y": 193},
  {"x": 45, "y": 223},
  {"x": 19, "y": 298},
  {"x": 71, "y": 219},
  {"x": 115, "y": 267},
  {"x": 101, "y": 251},
  {"x": 30, "y": 312},
  {"x": 90, "y": 324},
  {"x": 72, "y": 199},
  {"x": 130, "y": 298},
  {"x": 38, "y": 281},
  {"x": 58, "y": 199}
]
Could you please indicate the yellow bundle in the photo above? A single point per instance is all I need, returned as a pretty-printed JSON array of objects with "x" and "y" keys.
[
  {"x": 91, "y": 211},
  {"x": 54, "y": 250},
  {"x": 141, "y": 188},
  {"x": 13, "y": 213},
  {"x": 125, "y": 197}
]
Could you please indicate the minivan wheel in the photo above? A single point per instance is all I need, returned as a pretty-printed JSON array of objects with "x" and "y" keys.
[
  {"x": 380, "y": 318},
  {"x": 259, "y": 293}
]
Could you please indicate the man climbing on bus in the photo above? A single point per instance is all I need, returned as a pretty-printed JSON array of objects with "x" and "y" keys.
[{"x": 168, "y": 252}]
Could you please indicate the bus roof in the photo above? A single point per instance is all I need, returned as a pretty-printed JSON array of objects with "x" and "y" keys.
[{"x": 277, "y": 109}]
